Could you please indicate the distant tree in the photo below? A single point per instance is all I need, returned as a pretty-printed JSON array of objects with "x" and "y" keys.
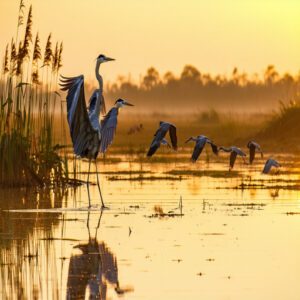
[
  {"x": 151, "y": 79},
  {"x": 190, "y": 73},
  {"x": 168, "y": 77},
  {"x": 270, "y": 75}
]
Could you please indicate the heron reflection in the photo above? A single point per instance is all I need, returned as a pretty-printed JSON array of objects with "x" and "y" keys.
[{"x": 93, "y": 271}]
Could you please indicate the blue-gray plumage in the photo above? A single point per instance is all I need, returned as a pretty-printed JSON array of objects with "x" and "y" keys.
[
  {"x": 269, "y": 164},
  {"x": 109, "y": 125},
  {"x": 85, "y": 127},
  {"x": 201, "y": 141},
  {"x": 253, "y": 147},
  {"x": 234, "y": 152},
  {"x": 158, "y": 139}
]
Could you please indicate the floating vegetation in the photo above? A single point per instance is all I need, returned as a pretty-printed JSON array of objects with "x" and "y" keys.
[
  {"x": 29, "y": 153},
  {"x": 141, "y": 178},
  {"x": 208, "y": 173}
]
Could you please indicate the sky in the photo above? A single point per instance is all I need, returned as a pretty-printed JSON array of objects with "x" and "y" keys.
[{"x": 215, "y": 36}]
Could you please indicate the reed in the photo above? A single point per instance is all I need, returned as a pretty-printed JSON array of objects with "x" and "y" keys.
[{"x": 29, "y": 153}]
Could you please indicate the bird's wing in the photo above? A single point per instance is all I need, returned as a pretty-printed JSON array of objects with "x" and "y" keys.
[
  {"x": 173, "y": 136},
  {"x": 214, "y": 147},
  {"x": 267, "y": 166},
  {"x": 252, "y": 149},
  {"x": 198, "y": 149},
  {"x": 84, "y": 136},
  {"x": 233, "y": 156},
  {"x": 108, "y": 129},
  {"x": 158, "y": 137},
  {"x": 153, "y": 148}
]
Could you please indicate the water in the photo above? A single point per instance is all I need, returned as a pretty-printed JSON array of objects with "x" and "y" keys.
[{"x": 237, "y": 237}]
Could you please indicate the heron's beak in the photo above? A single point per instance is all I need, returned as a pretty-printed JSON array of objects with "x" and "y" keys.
[
  {"x": 109, "y": 59},
  {"x": 127, "y": 103}
]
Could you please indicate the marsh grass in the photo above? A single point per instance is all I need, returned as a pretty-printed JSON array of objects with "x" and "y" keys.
[{"x": 28, "y": 152}]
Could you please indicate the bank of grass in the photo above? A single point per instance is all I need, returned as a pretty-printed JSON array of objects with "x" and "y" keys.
[{"x": 281, "y": 131}]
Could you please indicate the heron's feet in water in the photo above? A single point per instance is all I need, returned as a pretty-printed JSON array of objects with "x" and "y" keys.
[{"x": 103, "y": 207}]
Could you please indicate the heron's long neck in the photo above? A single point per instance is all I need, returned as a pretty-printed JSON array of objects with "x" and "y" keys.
[
  {"x": 226, "y": 149},
  {"x": 99, "y": 77}
]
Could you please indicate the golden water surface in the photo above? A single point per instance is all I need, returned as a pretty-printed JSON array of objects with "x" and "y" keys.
[{"x": 236, "y": 236}]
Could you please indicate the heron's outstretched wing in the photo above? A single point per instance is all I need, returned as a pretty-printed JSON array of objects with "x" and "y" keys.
[
  {"x": 233, "y": 156},
  {"x": 269, "y": 164},
  {"x": 198, "y": 149},
  {"x": 173, "y": 136},
  {"x": 158, "y": 137},
  {"x": 214, "y": 148},
  {"x": 252, "y": 149},
  {"x": 84, "y": 137},
  {"x": 108, "y": 129}
]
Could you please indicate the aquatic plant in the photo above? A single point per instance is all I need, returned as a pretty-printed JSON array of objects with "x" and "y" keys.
[{"x": 29, "y": 152}]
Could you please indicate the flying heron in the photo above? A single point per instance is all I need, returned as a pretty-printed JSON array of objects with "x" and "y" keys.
[
  {"x": 201, "y": 141},
  {"x": 253, "y": 147},
  {"x": 159, "y": 137},
  {"x": 84, "y": 124},
  {"x": 234, "y": 152},
  {"x": 269, "y": 164}
]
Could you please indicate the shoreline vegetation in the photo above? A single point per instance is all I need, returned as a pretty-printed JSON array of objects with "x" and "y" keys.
[{"x": 29, "y": 154}]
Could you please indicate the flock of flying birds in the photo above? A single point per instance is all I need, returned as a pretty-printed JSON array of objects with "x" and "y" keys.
[
  {"x": 201, "y": 141},
  {"x": 90, "y": 135}
]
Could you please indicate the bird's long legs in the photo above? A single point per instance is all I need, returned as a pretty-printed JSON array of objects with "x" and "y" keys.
[
  {"x": 88, "y": 183},
  {"x": 99, "y": 188}
]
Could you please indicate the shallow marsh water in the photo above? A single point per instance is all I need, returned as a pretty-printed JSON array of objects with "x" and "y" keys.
[{"x": 238, "y": 236}]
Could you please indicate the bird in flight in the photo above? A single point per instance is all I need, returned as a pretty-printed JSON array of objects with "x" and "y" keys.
[
  {"x": 253, "y": 147},
  {"x": 201, "y": 141},
  {"x": 234, "y": 152},
  {"x": 159, "y": 137}
]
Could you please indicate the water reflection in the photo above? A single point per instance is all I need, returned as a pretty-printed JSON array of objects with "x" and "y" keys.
[{"x": 94, "y": 270}]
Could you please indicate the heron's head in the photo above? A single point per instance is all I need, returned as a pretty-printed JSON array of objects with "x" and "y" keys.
[
  {"x": 120, "y": 103},
  {"x": 102, "y": 58}
]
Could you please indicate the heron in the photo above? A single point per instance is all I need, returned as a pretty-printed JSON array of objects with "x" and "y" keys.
[
  {"x": 253, "y": 147},
  {"x": 159, "y": 137},
  {"x": 201, "y": 141},
  {"x": 269, "y": 164},
  {"x": 109, "y": 124},
  {"x": 234, "y": 152},
  {"x": 85, "y": 127}
]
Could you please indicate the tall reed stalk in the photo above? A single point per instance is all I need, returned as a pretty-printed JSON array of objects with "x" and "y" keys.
[{"x": 29, "y": 153}]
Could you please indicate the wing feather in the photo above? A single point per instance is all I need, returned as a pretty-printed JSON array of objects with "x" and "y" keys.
[
  {"x": 252, "y": 149},
  {"x": 85, "y": 138},
  {"x": 198, "y": 149},
  {"x": 173, "y": 136},
  {"x": 233, "y": 156},
  {"x": 108, "y": 129}
]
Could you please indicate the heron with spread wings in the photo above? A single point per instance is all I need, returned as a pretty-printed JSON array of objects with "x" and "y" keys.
[
  {"x": 201, "y": 141},
  {"x": 270, "y": 163},
  {"x": 234, "y": 152},
  {"x": 159, "y": 137},
  {"x": 253, "y": 147},
  {"x": 85, "y": 126}
]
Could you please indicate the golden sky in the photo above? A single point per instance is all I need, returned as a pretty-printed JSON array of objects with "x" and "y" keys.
[{"x": 214, "y": 35}]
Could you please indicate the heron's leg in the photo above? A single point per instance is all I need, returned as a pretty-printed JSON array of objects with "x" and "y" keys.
[
  {"x": 88, "y": 224},
  {"x": 88, "y": 183},
  {"x": 99, "y": 188}
]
